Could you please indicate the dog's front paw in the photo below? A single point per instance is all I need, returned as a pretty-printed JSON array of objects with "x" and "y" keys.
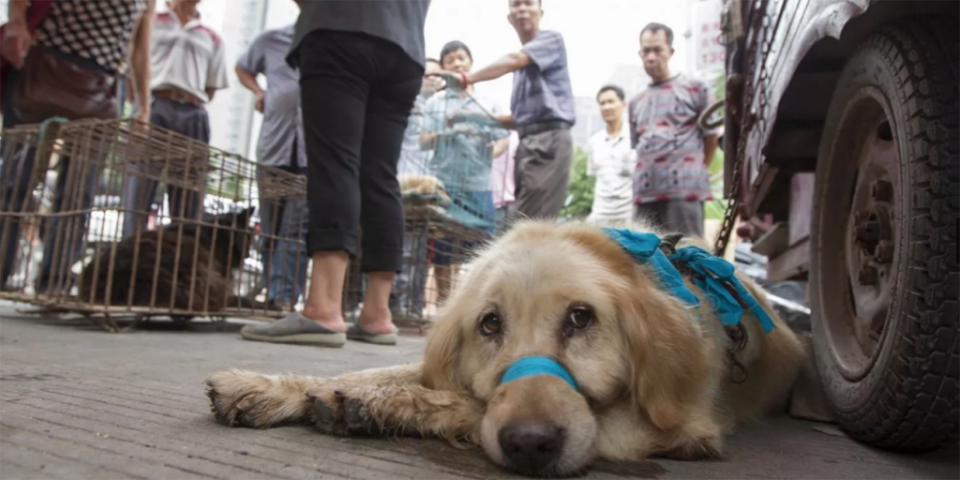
[
  {"x": 241, "y": 398},
  {"x": 699, "y": 448},
  {"x": 342, "y": 412}
]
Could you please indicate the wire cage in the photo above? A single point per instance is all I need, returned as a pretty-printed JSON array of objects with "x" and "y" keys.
[
  {"x": 83, "y": 229},
  {"x": 447, "y": 178}
]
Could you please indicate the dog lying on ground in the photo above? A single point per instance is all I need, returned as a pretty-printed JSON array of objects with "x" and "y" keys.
[
  {"x": 423, "y": 189},
  {"x": 211, "y": 252},
  {"x": 602, "y": 362}
]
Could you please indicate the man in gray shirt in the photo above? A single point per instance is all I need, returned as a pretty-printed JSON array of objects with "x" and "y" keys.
[
  {"x": 542, "y": 111},
  {"x": 280, "y": 145},
  {"x": 361, "y": 67}
]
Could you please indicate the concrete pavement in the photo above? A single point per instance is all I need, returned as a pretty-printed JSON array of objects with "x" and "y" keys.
[{"x": 77, "y": 402}]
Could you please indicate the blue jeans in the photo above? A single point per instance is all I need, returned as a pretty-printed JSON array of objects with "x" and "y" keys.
[{"x": 284, "y": 256}]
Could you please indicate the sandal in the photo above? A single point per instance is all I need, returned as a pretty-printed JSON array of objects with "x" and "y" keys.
[{"x": 296, "y": 329}]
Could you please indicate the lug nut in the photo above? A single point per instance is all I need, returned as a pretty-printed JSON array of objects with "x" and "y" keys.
[
  {"x": 868, "y": 231},
  {"x": 882, "y": 191},
  {"x": 867, "y": 276},
  {"x": 883, "y": 252}
]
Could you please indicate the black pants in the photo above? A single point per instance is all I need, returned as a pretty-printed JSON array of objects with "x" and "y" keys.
[{"x": 356, "y": 92}]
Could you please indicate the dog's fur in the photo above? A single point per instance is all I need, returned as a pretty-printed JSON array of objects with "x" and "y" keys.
[
  {"x": 193, "y": 265},
  {"x": 423, "y": 185},
  {"x": 653, "y": 375}
]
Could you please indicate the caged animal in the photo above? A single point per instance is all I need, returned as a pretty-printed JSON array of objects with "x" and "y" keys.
[
  {"x": 560, "y": 345},
  {"x": 193, "y": 265}
]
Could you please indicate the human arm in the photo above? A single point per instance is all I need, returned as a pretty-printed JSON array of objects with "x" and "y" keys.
[
  {"x": 710, "y": 143},
  {"x": 546, "y": 51},
  {"x": 249, "y": 65},
  {"x": 16, "y": 35},
  {"x": 249, "y": 80},
  {"x": 506, "y": 64},
  {"x": 140, "y": 62},
  {"x": 216, "y": 71},
  {"x": 705, "y": 99}
]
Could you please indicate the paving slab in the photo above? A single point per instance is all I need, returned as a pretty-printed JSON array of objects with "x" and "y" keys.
[{"x": 77, "y": 402}]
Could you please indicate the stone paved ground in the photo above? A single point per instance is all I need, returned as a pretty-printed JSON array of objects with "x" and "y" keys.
[{"x": 77, "y": 402}]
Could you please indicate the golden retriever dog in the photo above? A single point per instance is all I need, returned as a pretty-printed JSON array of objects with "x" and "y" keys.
[{"x": 631, "y": 371}]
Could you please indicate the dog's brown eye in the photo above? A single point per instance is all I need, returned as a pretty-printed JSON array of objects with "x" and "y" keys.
[
  {"x": 580, "y": 318},
  {"x": 490, "y": 324}
]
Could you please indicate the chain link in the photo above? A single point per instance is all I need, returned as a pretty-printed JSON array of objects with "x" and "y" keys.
[{"x": 729, "y": 217}]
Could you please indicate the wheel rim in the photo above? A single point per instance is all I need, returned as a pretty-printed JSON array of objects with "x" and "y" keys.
[{"x": 862, "y": 213}]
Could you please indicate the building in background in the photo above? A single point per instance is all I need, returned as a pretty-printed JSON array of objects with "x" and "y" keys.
[{"x": 232, "y": 112}]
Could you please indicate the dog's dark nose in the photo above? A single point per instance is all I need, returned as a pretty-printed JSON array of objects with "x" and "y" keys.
[{"x": 532, "y": 446}]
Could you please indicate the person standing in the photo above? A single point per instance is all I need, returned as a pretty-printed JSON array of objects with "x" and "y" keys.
[
  {"x": 542, "y": 108},
  {"x": 407, "y": 300},
  {"x": 463, "y": 160},
  {"x": 611, "y": 161},
  {"x": 672, "y": 178},
  {"x": 361, "y": 65},
  {"x": 188, "y": 61},
  {"x": 279, "y": 146},
  {"x": 92, "y": 45}
]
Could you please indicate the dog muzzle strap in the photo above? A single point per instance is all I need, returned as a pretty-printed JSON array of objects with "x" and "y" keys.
[{"x": 529, "y": 366}]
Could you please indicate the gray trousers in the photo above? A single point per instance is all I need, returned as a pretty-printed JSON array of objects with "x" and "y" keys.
[
  {"x": 138, "y": 195},
  {"x": 542, "y": 174},
  {"x": 681, "y": 216}
]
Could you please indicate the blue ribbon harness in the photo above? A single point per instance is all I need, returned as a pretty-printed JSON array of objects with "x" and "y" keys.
[
  {"x": 713, "y": 275},
  {"x": 529, "y": 366}
]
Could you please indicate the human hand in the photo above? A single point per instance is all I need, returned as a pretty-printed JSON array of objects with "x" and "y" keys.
[
  {"x": 456, "y": 81},
  {"x": 16, "y": 42},
  {"x": 258, "y": 104},
  {"x": 143, "y": 114}
]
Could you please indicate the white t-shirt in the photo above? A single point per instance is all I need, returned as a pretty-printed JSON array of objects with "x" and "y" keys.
[{"x": 612, "y": 161}]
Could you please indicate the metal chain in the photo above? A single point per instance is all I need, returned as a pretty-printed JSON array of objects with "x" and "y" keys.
[{"x": 729, "y": 217}]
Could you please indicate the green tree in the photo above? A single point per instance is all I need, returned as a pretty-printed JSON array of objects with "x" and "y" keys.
[{"x": 580, "y": 191}]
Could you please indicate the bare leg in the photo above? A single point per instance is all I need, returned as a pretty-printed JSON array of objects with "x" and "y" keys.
[
  {"x": 324, "y": 303},
  {"x": 375, "y": 316},
  {"x": 444, "y": 276}
]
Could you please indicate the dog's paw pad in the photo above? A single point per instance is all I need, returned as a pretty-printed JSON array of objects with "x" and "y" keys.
[
  {"x": 703, "y": 448},
  {"x": 358, "y": 421},
  {"x": 327, "y": 413}
]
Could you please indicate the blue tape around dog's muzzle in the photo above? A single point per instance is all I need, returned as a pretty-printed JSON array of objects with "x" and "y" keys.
[{"x": 529, "y": 366}]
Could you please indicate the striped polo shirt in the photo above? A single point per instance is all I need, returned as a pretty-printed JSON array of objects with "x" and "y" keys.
[
  {"x": 668, "y": 142},
  {"x": 188, "y": 57}
]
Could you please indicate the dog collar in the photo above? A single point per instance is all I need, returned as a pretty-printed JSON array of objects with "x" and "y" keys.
[
  {"x": 529, "y": 366},
  {"x": 713, "y": 275}
]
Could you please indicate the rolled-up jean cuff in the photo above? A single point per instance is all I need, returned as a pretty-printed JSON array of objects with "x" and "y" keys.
[
  {"x": 331, "y": 241},
  {"x": 381, "y": 260}
]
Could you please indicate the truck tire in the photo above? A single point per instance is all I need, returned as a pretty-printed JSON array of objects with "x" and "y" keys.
[{"x": 884, "y": 275}]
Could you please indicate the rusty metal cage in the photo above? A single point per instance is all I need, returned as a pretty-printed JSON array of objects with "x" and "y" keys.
[
  {"x": 447, "y": 184},
  {"x": 83, "y": 229}
]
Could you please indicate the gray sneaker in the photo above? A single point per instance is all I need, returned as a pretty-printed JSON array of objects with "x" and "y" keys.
[{"x": 294, "y": 328}]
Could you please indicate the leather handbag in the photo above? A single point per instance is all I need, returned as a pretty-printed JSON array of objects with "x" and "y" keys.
[
  {"x": 36, "y": 12},
  {"x": 52, "y": 86}
]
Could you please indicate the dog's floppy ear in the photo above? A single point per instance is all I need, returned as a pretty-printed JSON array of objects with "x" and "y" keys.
[
  {"x": 669, "y": 366},
  {"x": 440, "y": 356}
]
